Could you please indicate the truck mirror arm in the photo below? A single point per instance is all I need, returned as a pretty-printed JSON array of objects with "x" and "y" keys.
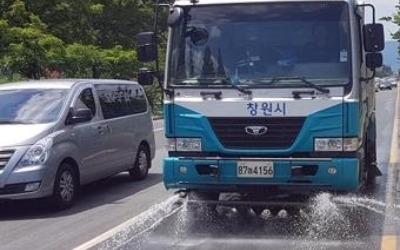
[
  {"x": 369, "y": 78},
  {"x": 167, "y": 91}
]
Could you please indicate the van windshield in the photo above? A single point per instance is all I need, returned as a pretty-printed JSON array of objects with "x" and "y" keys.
[
  {"x": 25, "y": 106},
  {"x": 254, "y": 43}
]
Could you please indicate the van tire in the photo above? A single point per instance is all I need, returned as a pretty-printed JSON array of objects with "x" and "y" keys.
[
  {"x": 65, "y": 187},
  {"x": 142, "y": 164}
]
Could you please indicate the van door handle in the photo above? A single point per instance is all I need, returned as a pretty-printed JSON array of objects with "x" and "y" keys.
[{"x": 102, "y": 129}]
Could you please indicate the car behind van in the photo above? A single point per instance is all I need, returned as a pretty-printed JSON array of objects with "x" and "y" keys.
[{"x": 57, "y": 135}]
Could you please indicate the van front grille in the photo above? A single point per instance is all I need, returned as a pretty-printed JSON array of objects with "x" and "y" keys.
[
  {"x": 233, "y": 132},
  {"x": 5, "y": 156}
]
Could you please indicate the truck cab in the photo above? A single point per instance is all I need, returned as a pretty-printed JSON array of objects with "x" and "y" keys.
[{"x": 270, "y": 97}]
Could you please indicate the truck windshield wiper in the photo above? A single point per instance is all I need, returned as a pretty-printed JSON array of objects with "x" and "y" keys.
[
  {"x": 302, "y": 79},
  {"x": 228, "y": 81},
  {"x": 233, "y": 84}
]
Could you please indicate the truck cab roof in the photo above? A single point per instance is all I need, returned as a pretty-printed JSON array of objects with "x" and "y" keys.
[{"x": 207, "y": 2}]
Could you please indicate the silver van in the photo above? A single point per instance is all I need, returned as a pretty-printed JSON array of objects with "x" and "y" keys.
[{"x": 56, "y": 135}]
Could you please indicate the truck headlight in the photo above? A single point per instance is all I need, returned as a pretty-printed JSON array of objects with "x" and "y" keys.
[
  {"x": 37, "y": 154},
  {"x": 184, "y": 144},
  {"x": 336, "y": 144}
]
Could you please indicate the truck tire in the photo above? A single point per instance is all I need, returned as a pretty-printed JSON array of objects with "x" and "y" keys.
[
  {"x": 372, "y": 170},
  {"x": 258, "y": 210}
]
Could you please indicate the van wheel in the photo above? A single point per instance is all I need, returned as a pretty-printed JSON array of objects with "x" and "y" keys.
[
  {"x": 142, "y": 164},
  {"x": 65, "y": 187}
]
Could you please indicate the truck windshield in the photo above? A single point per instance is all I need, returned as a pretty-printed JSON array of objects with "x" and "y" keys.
[{"x": 255, "y": 43}]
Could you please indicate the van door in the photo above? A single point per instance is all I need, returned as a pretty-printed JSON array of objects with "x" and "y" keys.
[
  {"x": 113, "y": 99},
  {"x": 90, "y": 137},
  {"x": 141, "y": 122}
]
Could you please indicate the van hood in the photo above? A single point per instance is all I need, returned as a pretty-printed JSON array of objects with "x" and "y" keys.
[{"x": 22, "y": 134}]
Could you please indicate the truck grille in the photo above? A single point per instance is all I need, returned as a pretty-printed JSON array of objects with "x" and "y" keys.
[
  {"x": 281, "y": 131},
  {"x": 5, "y": 156}
]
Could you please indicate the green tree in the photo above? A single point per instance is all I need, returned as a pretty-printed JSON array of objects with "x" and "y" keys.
[
  {"x": 119, "y": 63},
  {"x": 82, "y": 38},
  {"x": 396, "y": 20},
  {"x": 103, "y": 23},
  {"x": 81, "y": 60},
  {"x": 26, "y": 46},
  {"x": 71, "y": 21}
]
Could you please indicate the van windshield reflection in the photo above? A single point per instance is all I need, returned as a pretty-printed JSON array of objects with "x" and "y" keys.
[{"x": 31, "y": 106}]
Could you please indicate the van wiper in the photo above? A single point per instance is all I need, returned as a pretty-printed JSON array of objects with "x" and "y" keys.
[
  {"x": 14, "y": 122},
  {"x": 303, "y": 79}
]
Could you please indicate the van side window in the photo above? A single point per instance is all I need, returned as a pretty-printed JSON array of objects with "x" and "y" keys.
[
  {"x": 137, "y": 99},
  {"x": 121, "y": 100},
  {"x": 86, "y": 100}
]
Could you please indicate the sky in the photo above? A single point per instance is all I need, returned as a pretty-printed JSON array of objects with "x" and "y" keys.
[{"x": 386, "y": 8}]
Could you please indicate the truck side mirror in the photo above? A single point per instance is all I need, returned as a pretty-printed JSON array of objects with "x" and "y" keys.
[
  {"x": 374, "y": 60},
  {"x": 146, "y": 46},
  {"x": 374, "y": 38},
  {"x": 175, "y": 16},
  {"x": 145, "y": 76}
]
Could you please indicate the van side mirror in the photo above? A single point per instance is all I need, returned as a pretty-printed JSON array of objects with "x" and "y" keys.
[
  {"x": 78, "y": 116},
  {"x": 374, "y": 38},
  {"x": 146, "y": 46},
  {"x": 374, "y": 60}
]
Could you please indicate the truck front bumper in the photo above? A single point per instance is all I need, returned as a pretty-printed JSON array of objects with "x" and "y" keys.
[{"x": 290, "y": 175}]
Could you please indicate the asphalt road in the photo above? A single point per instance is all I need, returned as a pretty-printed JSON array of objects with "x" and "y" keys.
[{"x": 119, "y": 214}]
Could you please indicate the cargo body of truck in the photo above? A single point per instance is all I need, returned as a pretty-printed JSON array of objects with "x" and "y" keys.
[{"x": 267, "y": 98}]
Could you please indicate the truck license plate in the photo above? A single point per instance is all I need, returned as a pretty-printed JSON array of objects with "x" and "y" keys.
[{"x": 255, "y": 169}]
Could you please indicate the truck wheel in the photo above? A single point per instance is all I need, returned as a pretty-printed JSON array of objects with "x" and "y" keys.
[
  {"x": 243, "y": 210},
  {"x": 142, "y": 164},
  {"x": 65, "y": 187},
  {"x": 274, "y": 210},
  {"x": 372, "y": 170},
  {"x": 258, "y": 210},
  {"x": 293, "y": 211}
]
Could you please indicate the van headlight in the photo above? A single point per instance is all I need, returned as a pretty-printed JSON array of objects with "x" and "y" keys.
[
  {"x": 184, "y": 144},
  {"x": 37, "y": 154},
  {"x": 336, "y": 144}
]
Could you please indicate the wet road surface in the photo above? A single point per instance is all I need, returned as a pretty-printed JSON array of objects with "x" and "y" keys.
[{"x": 368, "y": 221}]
